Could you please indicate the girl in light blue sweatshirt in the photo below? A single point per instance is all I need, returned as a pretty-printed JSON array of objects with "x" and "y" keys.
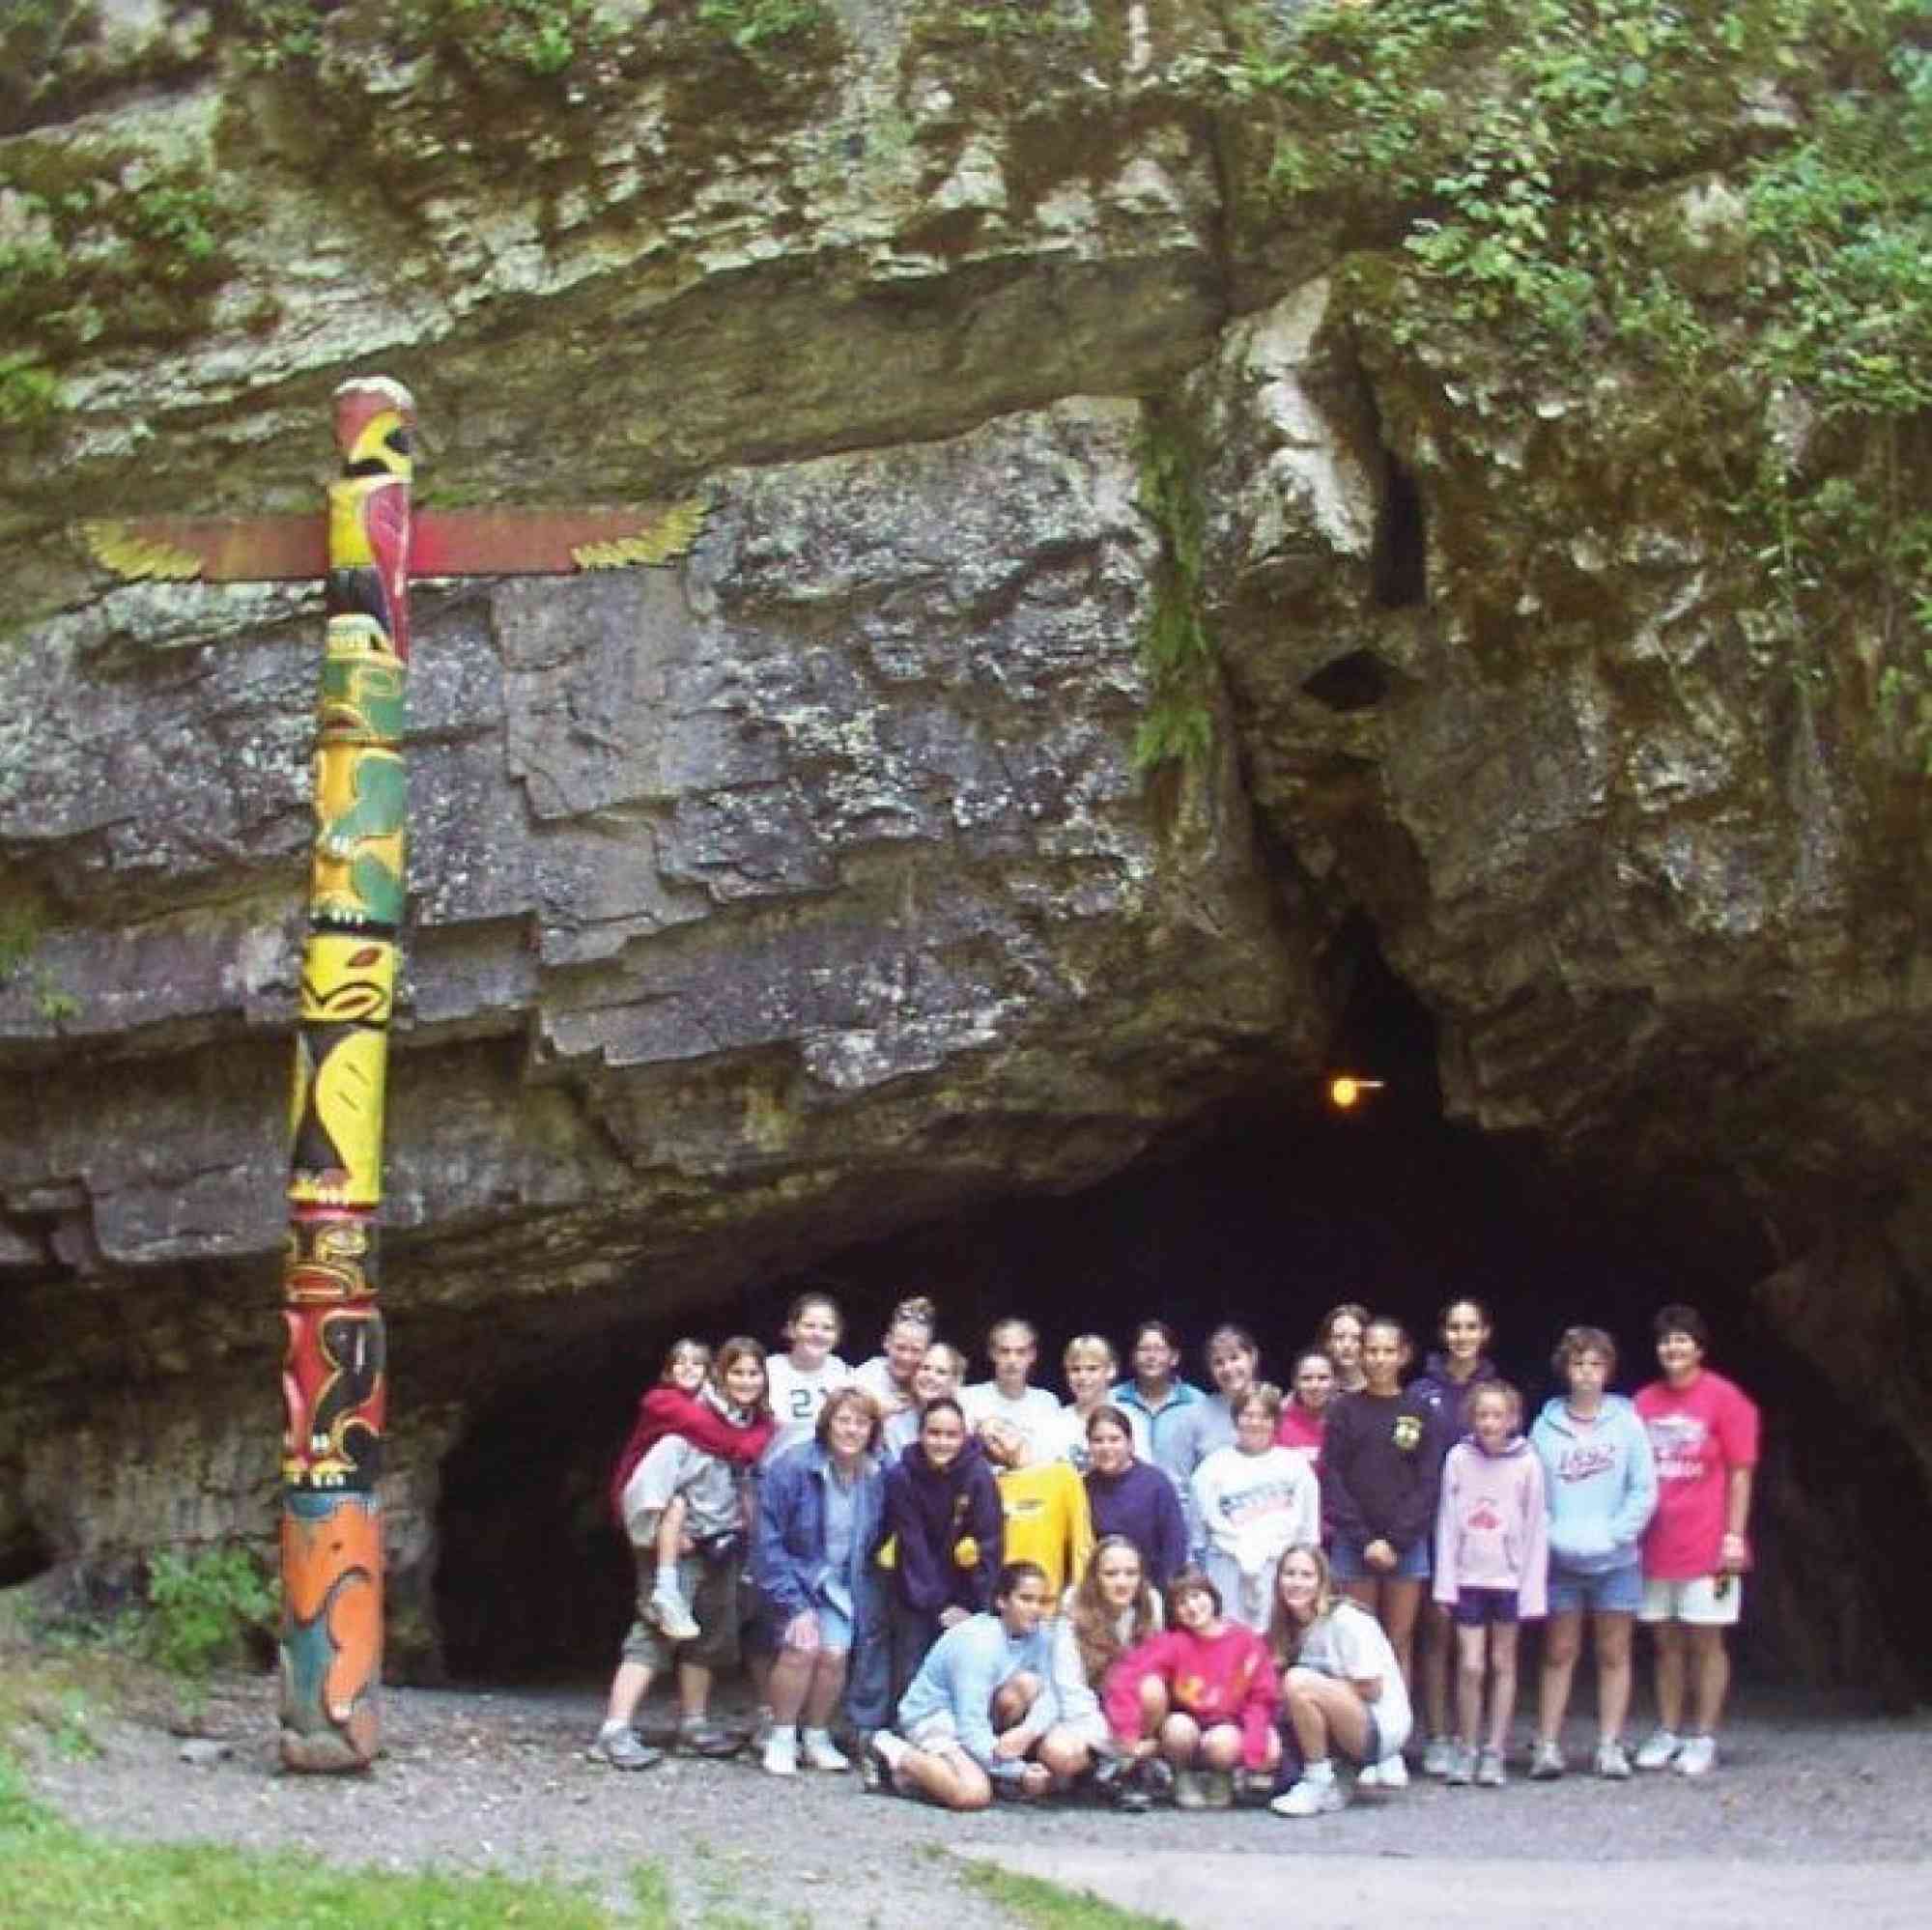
[
  {"x": 982, "y": 1709},
  {"x": 1600, "y": 1480}
]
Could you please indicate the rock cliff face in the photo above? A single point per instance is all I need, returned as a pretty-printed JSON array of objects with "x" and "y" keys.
[{"x": 1066, "y": 397}]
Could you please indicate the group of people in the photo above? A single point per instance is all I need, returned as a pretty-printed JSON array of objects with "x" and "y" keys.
[{"x": 1172, "y": 1592}]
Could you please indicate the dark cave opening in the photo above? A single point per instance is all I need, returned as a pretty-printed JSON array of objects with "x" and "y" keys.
[{"x": 1267, "y": 1216}]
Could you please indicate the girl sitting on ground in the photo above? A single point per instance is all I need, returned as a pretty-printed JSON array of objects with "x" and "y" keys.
[
  {"x": 1109, "y": 1610},
  {"x": 1341, "y": 1684},
  {"x": 1493, "y": 1556},
  {"x": 982, "y": 1709},
  {"x": 1201, "y": 1696}
]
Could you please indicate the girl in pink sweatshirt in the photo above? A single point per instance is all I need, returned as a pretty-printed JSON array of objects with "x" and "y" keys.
[
  {"x": 1492, "y": 1568},
  {"x": 1202, "y": 1696}
]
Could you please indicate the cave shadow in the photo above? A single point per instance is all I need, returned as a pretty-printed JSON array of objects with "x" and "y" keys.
[{"x": 1266, "y": 1214}]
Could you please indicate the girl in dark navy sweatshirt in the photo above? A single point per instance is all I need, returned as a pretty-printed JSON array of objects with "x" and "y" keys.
[
  {"x": 1133, "y": 1498},
  {"x": 1381, "y": 1472},
  {"x": 940, "y": 1496}
]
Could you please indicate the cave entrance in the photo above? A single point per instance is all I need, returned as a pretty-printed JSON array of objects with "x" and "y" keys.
[{"x": 1267, "y": 1215}]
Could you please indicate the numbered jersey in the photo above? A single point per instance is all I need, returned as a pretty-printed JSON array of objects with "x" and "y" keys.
[{"x": 797, "y": 1397}]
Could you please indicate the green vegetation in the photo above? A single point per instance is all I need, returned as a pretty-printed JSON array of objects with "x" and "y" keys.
[
  {"x": 277, "y": 33},
  {"x": 1728, "y": 205},
  {"x": 205, "y": 1611},
  {"x": 21, "y": 928},
  {"x": 515, "y": 39},
  {"x": 110, "y": 246},
  {"x": 1176, "y": 652},
  {"x": 59, "y": 1878},
  {"x": 751, "y": 24},
  {"x": 1046, "y": 1906}
]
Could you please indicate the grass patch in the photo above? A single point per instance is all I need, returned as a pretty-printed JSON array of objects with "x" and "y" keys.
[
  {"x": 1048, "y": 1905},
  {"x": 59, "y": 1878}
]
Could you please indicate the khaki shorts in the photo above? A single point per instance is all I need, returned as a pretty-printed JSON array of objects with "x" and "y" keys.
[
  {"x": 1695, "y": 1602},
  {"x": 711, "y": 1589}
]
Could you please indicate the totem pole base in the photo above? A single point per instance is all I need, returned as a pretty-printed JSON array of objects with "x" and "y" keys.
[{"x": 332, "y": 1641}]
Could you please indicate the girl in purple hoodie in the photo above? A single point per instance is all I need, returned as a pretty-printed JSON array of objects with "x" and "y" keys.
[
  {"x": 1492, "y": 1564},
  {"x": 940, "y": 1498}
]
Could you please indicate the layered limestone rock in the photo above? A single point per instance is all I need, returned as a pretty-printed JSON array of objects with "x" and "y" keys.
[{"x": 1062, "y": 379}]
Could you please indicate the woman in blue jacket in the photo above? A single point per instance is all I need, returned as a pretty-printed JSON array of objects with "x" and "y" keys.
[
  {"x": 820, "y": 1507},
  {"x": 1601, "y": 1481}
]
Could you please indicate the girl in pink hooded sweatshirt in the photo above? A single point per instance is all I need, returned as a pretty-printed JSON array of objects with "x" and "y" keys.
[{"x": 1492, "y": 1568}]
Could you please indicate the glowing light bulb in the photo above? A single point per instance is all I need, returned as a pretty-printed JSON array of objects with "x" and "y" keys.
[{"x": 1345, "y": 1089}]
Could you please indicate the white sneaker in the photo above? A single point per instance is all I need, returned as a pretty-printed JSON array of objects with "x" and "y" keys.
[
  {"x": 1546, "y": 1762},
  {"x": 780, "y": 1756},
  {"x": 1392, "y": 1772},
  {"x": 817, "y": 1751},
  {"x": 1658, "y": 1749},
  {"x": 1439, "y": 1755},
  {"x": 1613, "y": 1760},
  {"x": 1310, "y": 1799},
  {"x": 673, "y": 1619},
  {"x": 1369, "y": 1776},
  {"x": 1697, "y": 1757}
]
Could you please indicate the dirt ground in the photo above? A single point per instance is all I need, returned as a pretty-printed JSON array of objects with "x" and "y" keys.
[{"x": 1808, "y": 1803}]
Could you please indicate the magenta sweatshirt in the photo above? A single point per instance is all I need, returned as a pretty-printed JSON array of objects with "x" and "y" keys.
[{"x": 1492, "y": 1526}]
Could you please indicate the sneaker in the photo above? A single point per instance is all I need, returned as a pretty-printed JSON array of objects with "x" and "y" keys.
[
  {"x": 781, "y": 1754},
  {"x": 1252, "y": 1787},
  {"x": 1369, "y": 1776},
  {"x": 1217, "y": 1789},
  {"x": 709, "y": 1739},
  {"x": 1658, "y": 1749},
  {"x": 1310, "y": 1799},
  {"x": 1439, "y": 1753},
  {"x": 1613, "y": 1761},
  {"x": 761, "y": 1731},
  {"x": 1547, "y": 1764},
  {"x": 1461, "y": 1770},
  {"x": 1489, "y": 1770},
  {"x": 821, "y": 1752},
  {"x": 1190, "y": 1789},
  {"x": 672, "y": 1618},
  {"x": 622, "y": 1748},
  {"x": 1157, "y": 1779},
  {"x": 1391, "y": 1773},
  {"x": 1697, "y": 1757}
]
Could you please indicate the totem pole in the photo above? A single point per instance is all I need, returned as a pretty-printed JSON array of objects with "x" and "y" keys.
[{"x": 334, "y": 1382}]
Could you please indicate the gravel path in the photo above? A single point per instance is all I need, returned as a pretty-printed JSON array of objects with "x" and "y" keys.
[{"x": 498, "y": 1781}]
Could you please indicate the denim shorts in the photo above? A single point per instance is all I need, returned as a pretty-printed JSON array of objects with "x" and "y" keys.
[
  {"x": 1609, "y": 1591},
  {"x": 1346, "y": 1564},
  {"x": 1479, "y": 1607}
]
